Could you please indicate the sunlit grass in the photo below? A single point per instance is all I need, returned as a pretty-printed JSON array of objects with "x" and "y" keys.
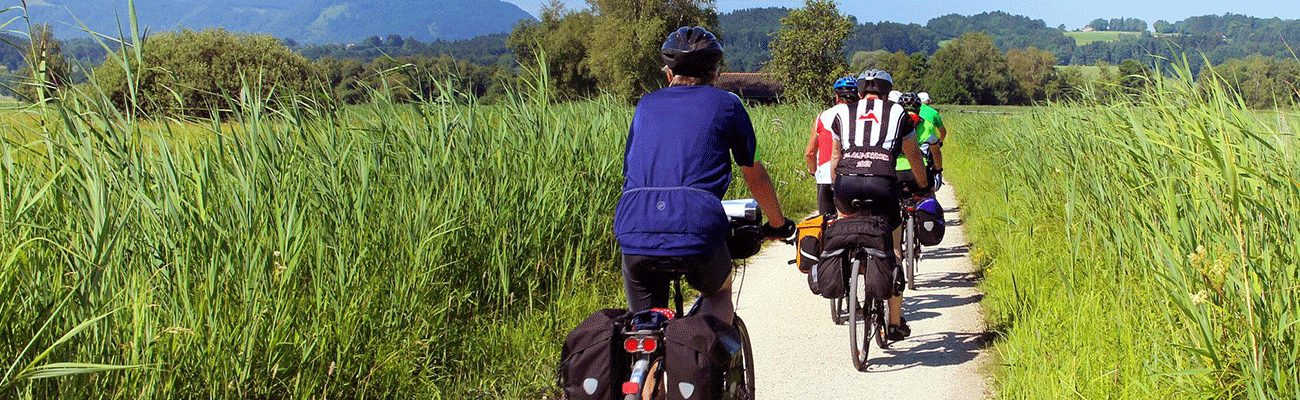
[{"x": 1137, "y": 251}]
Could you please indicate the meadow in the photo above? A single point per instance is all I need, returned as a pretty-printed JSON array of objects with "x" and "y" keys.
[
  {"x": 1085, "y": 38},
  {"x": 1137, "y": 250},
  {"x": 430, "y": 250}
]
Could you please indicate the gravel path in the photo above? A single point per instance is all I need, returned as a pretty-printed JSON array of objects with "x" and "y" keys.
[{"x": 801, "y": 354}]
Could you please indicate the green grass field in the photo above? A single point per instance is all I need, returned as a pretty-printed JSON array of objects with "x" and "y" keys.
[{"x": 1084, "y": 38}]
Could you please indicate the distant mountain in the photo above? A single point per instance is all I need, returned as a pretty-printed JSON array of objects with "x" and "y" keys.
[{"x": 309, "y": 21}]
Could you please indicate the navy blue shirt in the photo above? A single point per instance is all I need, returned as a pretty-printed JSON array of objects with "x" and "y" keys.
[{"x": 676, "y": 169}]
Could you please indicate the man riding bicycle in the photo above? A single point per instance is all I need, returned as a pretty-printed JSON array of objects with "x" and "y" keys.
[
  {"x": 932, "y": 123},
  {"x": 676, "y": 168},
  {"x": 866, "y": 139},
  {"x": 926, "y": 136},
  {"x": 818, "y": 152}
]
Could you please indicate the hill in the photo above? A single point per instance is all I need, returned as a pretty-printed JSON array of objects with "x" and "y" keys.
[{"x": 310, "y": 21}]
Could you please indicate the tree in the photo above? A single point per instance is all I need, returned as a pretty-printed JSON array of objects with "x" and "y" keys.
[
  {"x": 562, "y": 37},
  {"x": 1100, "y": 24},
  {"x": 1032, "y": 70},
  {"x": 192, "y": 73},
  {"x": 624, "y": 54},
  {"x": 808, "y": 52},
  {"x": 1162, "y": 26},
  {"x": 1133, "y": 76},
  {"x": 970, "y": 70},
  {"x": 1263, "y": 82}
]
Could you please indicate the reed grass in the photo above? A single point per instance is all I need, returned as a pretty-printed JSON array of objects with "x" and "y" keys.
[
  {"x": 1138, "y": 250},
  {"x": 431, "y": 250}
]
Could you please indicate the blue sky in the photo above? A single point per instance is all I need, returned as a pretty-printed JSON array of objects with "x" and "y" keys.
[{"x": 1073, "y": 14}]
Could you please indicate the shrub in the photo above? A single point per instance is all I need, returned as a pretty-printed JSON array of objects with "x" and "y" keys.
[{"x": 194, "y": 73}]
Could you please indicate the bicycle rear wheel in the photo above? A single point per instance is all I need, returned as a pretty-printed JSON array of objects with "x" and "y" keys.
[
  {"x": 861, "y": 323},
  {"x": 740, "y": 378}
]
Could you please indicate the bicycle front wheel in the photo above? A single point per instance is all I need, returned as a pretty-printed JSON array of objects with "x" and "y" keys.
[
  {"x": 740, "y": 377},
  {"x": 861, "y": 322},
  {"x": 912, "y": 252}
]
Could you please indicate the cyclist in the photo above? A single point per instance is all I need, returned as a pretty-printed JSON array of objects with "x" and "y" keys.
[
  {"x": 926, "y": 136},
  {"x": 866, "y": 138},
  {"x": 818, "y": 152},
  {"x": 933, "y": 124},
  {"x": 676, "y": 169}
]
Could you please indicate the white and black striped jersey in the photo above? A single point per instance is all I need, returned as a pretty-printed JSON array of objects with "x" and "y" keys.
[{"x": 870, "y": 133}]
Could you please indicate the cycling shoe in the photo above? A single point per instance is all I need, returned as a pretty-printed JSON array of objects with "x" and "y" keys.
[{"x": 900, "y": 331}]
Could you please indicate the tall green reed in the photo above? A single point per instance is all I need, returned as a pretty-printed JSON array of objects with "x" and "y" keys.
[
  {"x": 1141, "y": 249},
  {"x": 290, "y": 249}
]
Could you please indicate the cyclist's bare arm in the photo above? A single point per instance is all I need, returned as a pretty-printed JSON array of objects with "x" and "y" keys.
[
  {"x": 810, "y": 152},
  {"x": 837, "y": 153},
  {"x": 943, "y": 134},
  {"x": 913, "y": 153},
  {"x": 760, "y": 185}
]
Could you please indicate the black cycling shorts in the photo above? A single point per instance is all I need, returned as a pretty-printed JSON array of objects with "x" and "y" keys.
[
  {"x": 880, "y": 190},
  {"x": 825, "y": 199},
  {"x": 646, "y": 281}
]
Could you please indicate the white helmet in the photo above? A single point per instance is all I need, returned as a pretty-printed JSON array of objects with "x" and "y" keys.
[
  {"x": 925, "y": 98},
  {"x": 894, "y": 95}
]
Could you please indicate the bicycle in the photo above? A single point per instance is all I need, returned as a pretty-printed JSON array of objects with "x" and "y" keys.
[
  {"x": 645, "y": 341},
  {"x": 911, "y": 246},
  {"x": 867, "y": 316}
]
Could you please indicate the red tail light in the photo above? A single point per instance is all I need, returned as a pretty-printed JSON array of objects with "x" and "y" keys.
[
  {"x": 631, "y": 345},
  {"x": 631, "y": 387},
  {"x": 649, "y": 344}
]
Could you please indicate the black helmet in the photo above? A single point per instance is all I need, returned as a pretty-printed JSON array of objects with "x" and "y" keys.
[
  {"x": 909, "y": 101},
  {"x": 692, "y": 51}
]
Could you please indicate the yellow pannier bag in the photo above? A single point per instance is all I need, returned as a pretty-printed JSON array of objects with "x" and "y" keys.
[{"x": 808, "y": 242}]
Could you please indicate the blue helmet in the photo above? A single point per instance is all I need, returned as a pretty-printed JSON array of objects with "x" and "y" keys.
[
  {"x": 847, "y": 88},
  {"x": 847, "y": 82}
]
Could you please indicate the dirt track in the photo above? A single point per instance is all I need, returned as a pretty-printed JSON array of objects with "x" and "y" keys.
[{"x": 801, "y": 354}]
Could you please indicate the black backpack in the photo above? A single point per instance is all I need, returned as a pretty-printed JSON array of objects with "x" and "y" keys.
[
  {"x": 592, "y": 362},
  {"x": 699, "y": 350}
]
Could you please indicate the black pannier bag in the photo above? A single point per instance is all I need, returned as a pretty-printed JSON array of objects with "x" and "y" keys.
[
  {"x": 699, "y": 349},
  {"x": 827, "y": 276},
  {"x": 874, "y": 241},
  {"x": 592, "y": 362},
  {"x": 880, "y": 274}
]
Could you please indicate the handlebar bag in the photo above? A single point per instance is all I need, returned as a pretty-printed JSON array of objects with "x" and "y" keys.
[
  {"x": 929, "y": 222},
  {"x": 592, "y": 361},
  {"x": 699, "y": 349}
]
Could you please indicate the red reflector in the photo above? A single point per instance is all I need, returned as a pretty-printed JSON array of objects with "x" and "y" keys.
[
  {"x": 631, "y": 345},
  {"x": 649, "y": 344},
  {"x": 631, "y": 387}
]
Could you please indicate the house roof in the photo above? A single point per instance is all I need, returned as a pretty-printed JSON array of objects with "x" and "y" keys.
[{"x": 750, "y": 85}]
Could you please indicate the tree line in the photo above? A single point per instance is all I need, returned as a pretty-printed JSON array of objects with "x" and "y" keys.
[{"x": 612, "y": 48}]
